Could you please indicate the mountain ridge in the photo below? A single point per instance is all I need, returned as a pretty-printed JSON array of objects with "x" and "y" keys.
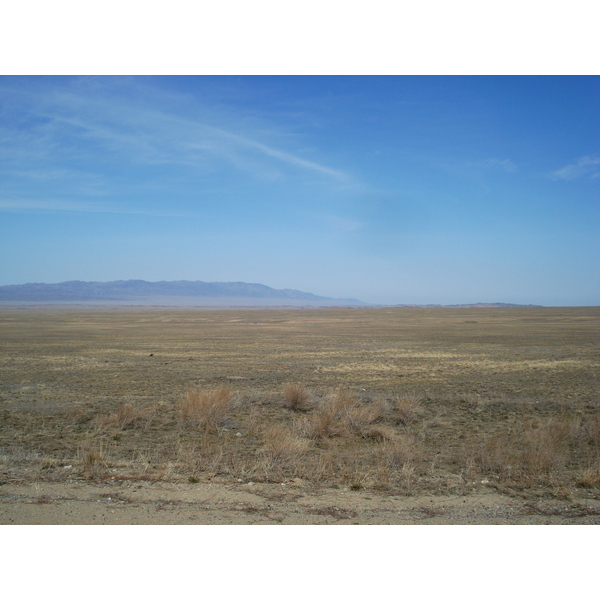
[{"x": 139, "y": 289}]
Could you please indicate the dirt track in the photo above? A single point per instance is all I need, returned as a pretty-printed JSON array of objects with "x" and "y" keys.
[{"x": 295, "y": 503}]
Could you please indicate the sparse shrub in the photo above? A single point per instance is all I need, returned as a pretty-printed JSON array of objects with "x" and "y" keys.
[
  {"x": 127, "y": 416},
  {"x": 379, "y": 433},
  {"x": 206, "y": 409},
  {"x": 361, "y": 416},
  {"x": 296, "y": 397},
  {"x": 407, "y": 473},
  {"x": 546, "y": 447},
  {"x": 407, "y": 407},
  {"x": 342, "y": 414},
  {"x": 589, "y": 477},
  {"x": 77, "y": 416},
  {"x": 499, "y": 456},
  {"x": 92, "y": 458},
  {"x": 539, "y": 452},
  {"x": 402, "y": 450},
  {"x": 328, "y": 420},
  {"x": 281, "y": 448},
  {"x": 591, "y": 432},
  {"x": 130, "y": 416}
]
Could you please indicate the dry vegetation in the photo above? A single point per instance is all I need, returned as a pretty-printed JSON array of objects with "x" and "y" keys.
[{"x": 403, "y": 402}]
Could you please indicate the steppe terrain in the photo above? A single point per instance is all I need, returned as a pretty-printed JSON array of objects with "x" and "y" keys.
[{"x": 334, "y": 415}]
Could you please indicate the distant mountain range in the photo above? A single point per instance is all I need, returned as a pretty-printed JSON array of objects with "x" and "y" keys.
[
  {"x": 476, "y": 305},
  {"x": 192, "y": 293}
]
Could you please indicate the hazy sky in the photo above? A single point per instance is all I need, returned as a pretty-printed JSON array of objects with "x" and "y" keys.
[{"x": 390, "y": 189}]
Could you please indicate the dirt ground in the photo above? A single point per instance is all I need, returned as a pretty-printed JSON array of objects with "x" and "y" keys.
[
  {"x": 268, "y": 504},
  {"x": 502, "y": 424}
]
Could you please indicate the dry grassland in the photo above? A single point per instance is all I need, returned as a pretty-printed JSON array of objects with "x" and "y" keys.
[{"x": 403, "y": 401}]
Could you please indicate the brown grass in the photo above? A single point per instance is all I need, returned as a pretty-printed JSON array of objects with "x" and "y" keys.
[
  {"x": 354, "y": 441},
  {"x": 341, "y": 414},
  {"x": 206, "y": 409},
  {"x": 296, "y": 397},
  {"x": 543, "y": 452},
  {"x": 407, "y": 408},
  {"x": 589, "y": 476},
  {"x": 511, "y": 402},
  {"x": 281, "y": 451},
  {"x": 129, "y": 415},
  {"x": 92, "y": 456}
]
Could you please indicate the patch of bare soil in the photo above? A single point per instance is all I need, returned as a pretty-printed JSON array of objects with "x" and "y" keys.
[{"x": 144, "y": 503}]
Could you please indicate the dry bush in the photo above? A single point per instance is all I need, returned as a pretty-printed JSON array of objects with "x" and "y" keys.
[
  {"x": 92, "y": 458},
  {"x": 341, "y": 414},
  {"x": 282, "y": 450},
  {"x": 335, "y": 464},
  {"x": 127, "y": 416},
  {"x": 591, "y": 432},
  {"x": 546, "y": 447},
  {"x": 402, "y": 450},
  {"x": 206, "y": 409},
  {"x": 254, "y": 422},
  {"x": 328, "y": 420},
  {"x": 407, "y": 408},
  {"x": 296, "y": 397},
  {"x": 540, "y": 452},
  {"x": 589, "y": 477},
  {"x": 77, "y": 415},
  {"x": 379, "y": 433},
  {"x": 150, "y": 462},
  {"x": 499, "y": 455},
  {"x": 361, "y": 416},
  {"x": 131, "y": 416},
  {"x": 198, "y": 458},
  {"x": 366, "y": 466}
]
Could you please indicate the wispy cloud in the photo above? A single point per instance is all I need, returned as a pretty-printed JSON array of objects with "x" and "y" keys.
[
  {"x": 280, "y": 155},
  {"x": 586, "y": 166},
  {"x": 58, "y": 205},
  {"x": 83, "y": 124}
]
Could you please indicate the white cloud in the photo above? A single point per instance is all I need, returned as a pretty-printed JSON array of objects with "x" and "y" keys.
[
  {"x": 130, "y": 128},
  {"x": 230, "y": 145},
  {"x": 586, "y": 166},
  {"x": 57, "y": 205}
]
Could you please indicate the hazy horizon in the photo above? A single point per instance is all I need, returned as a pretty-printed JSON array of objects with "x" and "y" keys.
[{"x": 390, "y": 190}]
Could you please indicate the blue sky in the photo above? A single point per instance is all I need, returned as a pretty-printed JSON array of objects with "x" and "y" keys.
[{"x": 392, "y": 189}]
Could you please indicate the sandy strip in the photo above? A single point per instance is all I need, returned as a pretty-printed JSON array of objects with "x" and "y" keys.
[{"x": 144, "y": 503}]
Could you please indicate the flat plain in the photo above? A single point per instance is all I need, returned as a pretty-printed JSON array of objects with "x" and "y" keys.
[{"x": 333, "y": 415}]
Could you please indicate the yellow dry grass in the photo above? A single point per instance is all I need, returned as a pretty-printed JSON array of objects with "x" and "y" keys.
[
  {"x": 206, "y": 409},
  {"x": 403, "y": 400}
]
